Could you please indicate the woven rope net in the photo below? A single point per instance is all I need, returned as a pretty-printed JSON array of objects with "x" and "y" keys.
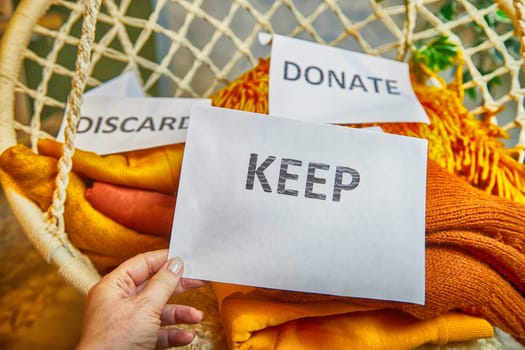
[{"x": 194, "y": 48}]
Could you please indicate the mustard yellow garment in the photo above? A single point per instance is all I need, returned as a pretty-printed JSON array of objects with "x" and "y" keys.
[
  {"x": 156, "y": 169},
  {"x": 253, "y": 320},
  {"x": 106, "y": 242}
]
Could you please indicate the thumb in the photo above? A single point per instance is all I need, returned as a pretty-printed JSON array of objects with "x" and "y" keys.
[{"x": 161, "y": 285}]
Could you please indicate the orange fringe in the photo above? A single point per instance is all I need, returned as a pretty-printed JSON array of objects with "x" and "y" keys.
[{"x": 459, "y": 142}]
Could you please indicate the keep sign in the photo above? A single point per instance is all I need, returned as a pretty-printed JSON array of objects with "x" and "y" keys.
[
  {"x": 315, "y": 82},
  {"x": 279, "y": 203}
]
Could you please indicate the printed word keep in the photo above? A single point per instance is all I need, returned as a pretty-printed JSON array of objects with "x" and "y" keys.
[
  {"x": 314, "y": 75},
  {"x": 112, "y": 124},
  {"x": 345, "y": 178}
]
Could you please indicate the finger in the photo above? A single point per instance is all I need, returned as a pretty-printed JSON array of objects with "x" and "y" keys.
[
  {"x": 177, "y": 314},
  {"x": 162, "y": 284},
  {"x": 184, "y": 285},
  {"x": 142, "y": 266},
  {"x": 170, "y": 337},
  {"x": 187, "y": 284}
]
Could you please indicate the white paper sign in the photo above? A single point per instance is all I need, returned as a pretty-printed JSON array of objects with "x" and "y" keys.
[
  {"x": 118, "y": 124},
  {"x": 279, "y": 203},
  {"x": 315, "y": 82},
  {"x": 126, "y": 84}
]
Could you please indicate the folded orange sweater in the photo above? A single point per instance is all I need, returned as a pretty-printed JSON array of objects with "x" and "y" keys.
[{"x": 140, "y": 210}]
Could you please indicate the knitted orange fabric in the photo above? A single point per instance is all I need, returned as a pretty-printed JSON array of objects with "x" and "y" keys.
[
  {"x": 489, "y": 227},
  {"x": 458, "y": 281},
  {"x": 457, "y": 140},
  {"x": 457, "y": 206}
]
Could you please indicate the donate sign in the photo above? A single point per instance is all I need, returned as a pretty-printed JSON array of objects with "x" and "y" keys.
[
  {"x": 315, "y": 82},
  {"x": 279, "y": 203}
]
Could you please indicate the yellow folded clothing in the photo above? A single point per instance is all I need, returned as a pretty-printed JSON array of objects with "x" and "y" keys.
[
  {"x": 156, "y": 169},
  {"x": 455, "y": 281},
  {"x": 255, "y": 320},
  {"x": 106, "y": 242}
]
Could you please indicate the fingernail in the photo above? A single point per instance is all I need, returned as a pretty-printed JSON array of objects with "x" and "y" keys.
[
  {"x": 176, "y": 265},
  {"x": 199, "y": 314}
]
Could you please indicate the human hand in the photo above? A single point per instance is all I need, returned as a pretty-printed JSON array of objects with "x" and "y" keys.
[{"x": 127, "y": 308}]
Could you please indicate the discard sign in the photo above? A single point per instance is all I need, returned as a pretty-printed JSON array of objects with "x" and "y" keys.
[
  {"x": 279, "y": 203},
  {"x": 126, "y": 84},
  {"x": 116, "y": 116},
  {"x": 118, "y": 124},
  {"x": 315, "y": 82}
]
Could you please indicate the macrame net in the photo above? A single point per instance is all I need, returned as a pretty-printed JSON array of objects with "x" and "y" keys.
[{"x": 193, "y": 48}]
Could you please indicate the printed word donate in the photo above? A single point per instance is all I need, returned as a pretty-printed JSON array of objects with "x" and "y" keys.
[{"x": 314, "y": 75}]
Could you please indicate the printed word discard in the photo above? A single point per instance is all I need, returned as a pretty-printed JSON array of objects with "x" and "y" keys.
[{"x": 107, "y": 125}]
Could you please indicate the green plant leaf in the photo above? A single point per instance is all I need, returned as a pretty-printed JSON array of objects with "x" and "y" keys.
[
  {"x": 502, "y": 17},
  {"x": 437, "y": 55},
  {"x": 492, "y": 83},
  {"x": 490, "y": 19},
  {"x": 471, "y": 92},
  {"x": 448, "y": 11},
  {"x": 513, "y": 45}
]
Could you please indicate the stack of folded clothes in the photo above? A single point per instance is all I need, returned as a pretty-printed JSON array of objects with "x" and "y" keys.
[{"x": 122, "y": 204}]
